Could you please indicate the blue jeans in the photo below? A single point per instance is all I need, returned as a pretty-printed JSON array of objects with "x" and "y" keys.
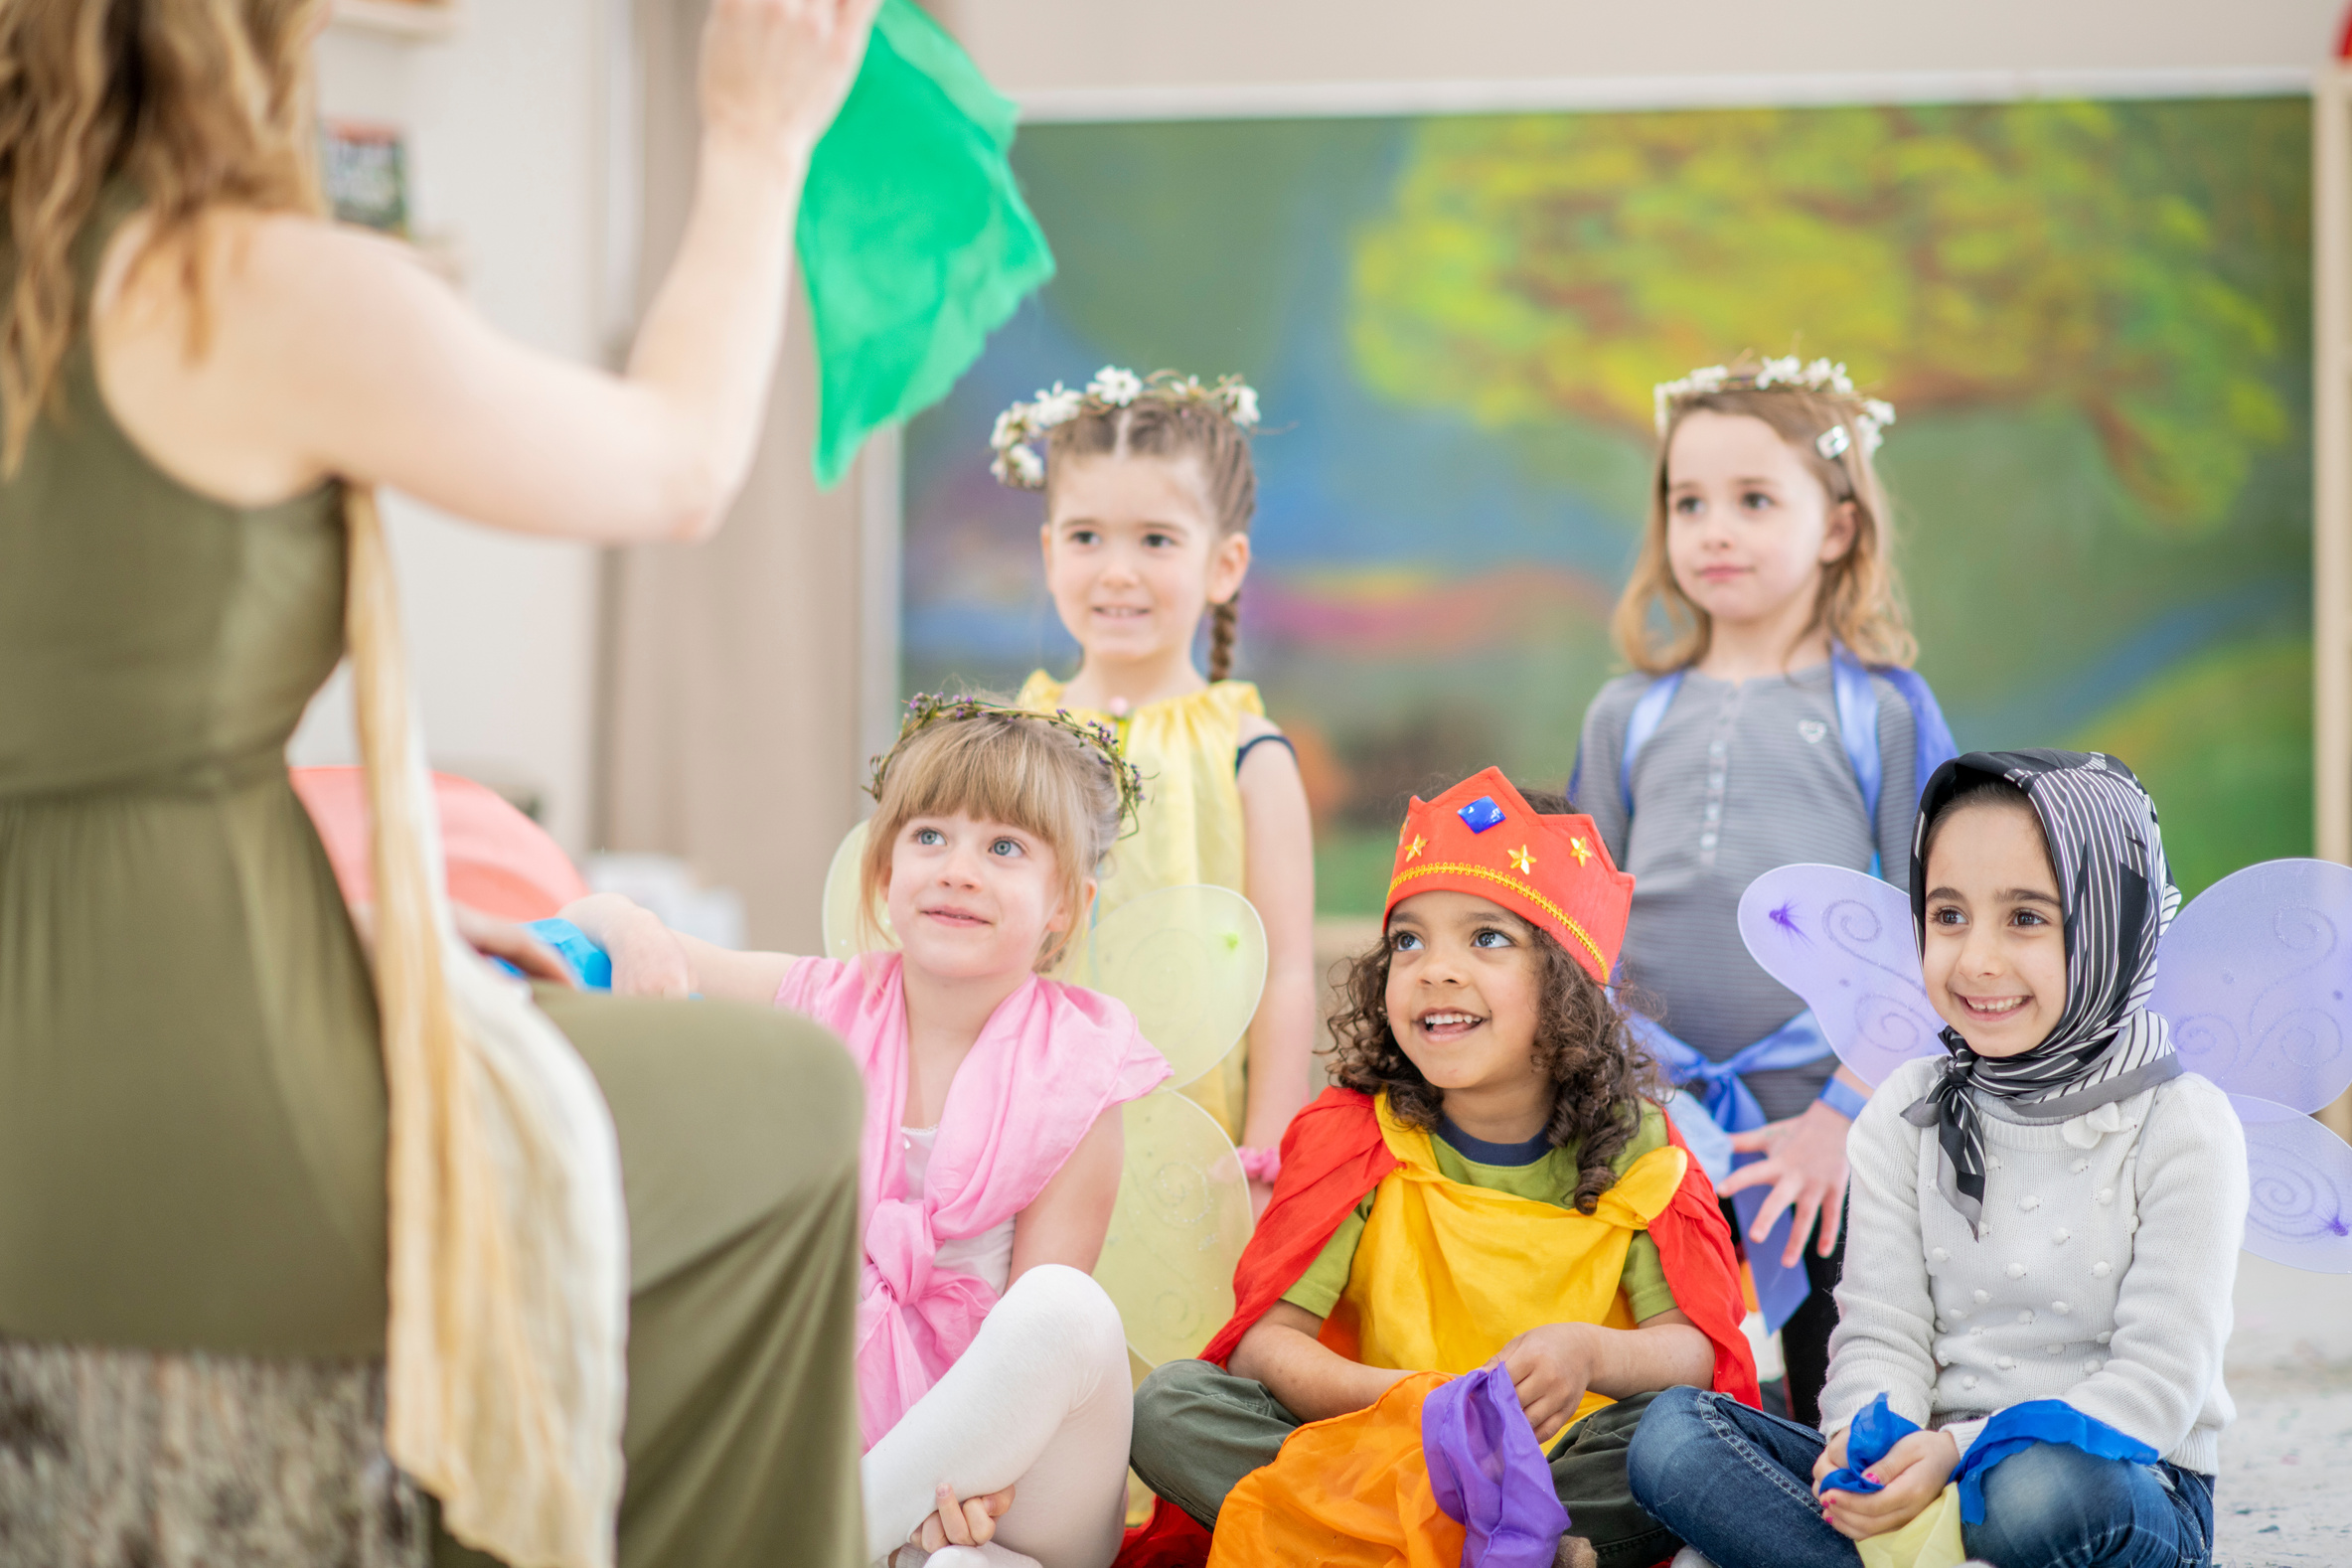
[{"x": 1737, "y": 1485}]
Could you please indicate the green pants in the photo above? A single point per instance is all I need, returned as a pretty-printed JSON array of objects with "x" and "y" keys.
[
  {"x": 1199, "y": 1428},
  {"x": 739, "y": 1135}
]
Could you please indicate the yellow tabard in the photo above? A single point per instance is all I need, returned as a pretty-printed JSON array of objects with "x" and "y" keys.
[
  {"x": 1189, "y": 828},
  {"x": 1447, "y": 1274}
]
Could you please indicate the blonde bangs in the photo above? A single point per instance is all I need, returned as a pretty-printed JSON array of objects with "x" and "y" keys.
[
  {"x": 997, "y": 767},
  {"x": 1658, "y": 629}
]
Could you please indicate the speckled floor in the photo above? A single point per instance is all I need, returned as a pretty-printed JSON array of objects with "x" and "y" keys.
[{"x": 2286, "y": 1495}]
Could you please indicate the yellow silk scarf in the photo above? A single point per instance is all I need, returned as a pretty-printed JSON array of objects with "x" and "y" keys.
[{"x": 1447, "y": 1274}]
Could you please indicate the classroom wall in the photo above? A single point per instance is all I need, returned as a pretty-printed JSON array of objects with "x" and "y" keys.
[
  {"x": 1034, "y": 45},
  {"x": 504, "y": 127}
]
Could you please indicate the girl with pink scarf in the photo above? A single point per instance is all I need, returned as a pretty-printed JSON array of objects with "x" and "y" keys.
[{"x": 992, "y": 1371}]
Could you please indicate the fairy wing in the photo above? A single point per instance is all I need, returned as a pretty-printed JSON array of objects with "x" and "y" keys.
[
  {"x": 1177, "y": 1230},
  {"x": 2300, "y": 1188},
  {"x": 2253, "y": 977},
  {"x": 1842, "y": 941},
  {"x": 1189, "y": 963},
  {"x": 845, "y": 936}
]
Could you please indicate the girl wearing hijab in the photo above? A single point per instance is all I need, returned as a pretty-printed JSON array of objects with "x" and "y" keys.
[{"x": 2044, "y": 1226}]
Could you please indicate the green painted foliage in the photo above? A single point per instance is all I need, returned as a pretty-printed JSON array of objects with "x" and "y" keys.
[{"x": 1953, "y": 257}]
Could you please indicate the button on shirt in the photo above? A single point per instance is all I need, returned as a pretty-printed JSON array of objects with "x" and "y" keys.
[{"x": 1738, "y": 778}]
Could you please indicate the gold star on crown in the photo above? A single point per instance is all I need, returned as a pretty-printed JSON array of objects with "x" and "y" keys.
[
  {"x": 1413, "y": 850},
  {"x": 1522, "y": 860},
  {"x": 1582, "y": 850}
]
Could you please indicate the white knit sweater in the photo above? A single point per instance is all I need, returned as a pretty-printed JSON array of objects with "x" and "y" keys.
[{"x": 2102, "y": 1275}]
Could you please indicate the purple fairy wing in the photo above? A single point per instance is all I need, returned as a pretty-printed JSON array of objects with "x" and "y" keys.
[
  {"x": 1842, "y": 941},
  {"x": 2253, "y": 977},
  {"x": 2301, "y": 1185}
]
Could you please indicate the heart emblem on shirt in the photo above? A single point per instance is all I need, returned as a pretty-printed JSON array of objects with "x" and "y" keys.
[{"x": 1812, "y": 729}]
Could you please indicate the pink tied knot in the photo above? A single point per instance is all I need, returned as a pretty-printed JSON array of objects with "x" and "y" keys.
[
  {"x": 913, "y": 1318},
  {"x": 1050, "y": 1061}
]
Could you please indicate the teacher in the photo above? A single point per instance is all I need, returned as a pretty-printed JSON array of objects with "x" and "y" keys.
[{"x": 194, "y": 366}]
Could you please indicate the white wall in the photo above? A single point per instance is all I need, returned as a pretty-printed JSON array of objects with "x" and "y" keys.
[
  {"x": 505, "y": 137},
  {"x": 1049, "y": 46}
]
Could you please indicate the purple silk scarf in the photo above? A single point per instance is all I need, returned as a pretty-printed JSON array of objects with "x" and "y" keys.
[{"x": 1489, "y": 1474}]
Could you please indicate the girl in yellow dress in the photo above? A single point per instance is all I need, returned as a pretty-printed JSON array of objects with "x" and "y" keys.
[{"x": 1149, "y": 491}]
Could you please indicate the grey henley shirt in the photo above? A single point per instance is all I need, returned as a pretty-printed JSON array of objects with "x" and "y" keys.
[{"x": 1737, "y": 779}]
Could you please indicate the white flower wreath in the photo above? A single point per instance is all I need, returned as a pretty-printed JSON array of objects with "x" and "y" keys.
[
  {"x": 1869, "y": 421},
  {"x": 1018, "y": 464}
]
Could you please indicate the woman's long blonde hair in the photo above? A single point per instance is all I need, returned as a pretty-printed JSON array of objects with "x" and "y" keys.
[
  {"x": 1862, "y": 597},
  {"x": 197, "y": 104},
  {"x": 508, "y": 1271}
]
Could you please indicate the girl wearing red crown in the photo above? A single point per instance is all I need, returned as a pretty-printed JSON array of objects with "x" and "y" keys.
[
  {"x": 1770, "y": 719},
  {"x": 1491, "y": 1189}
]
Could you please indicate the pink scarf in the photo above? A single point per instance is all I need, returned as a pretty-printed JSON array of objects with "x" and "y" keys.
[{"x": 1051, "y": 1059}]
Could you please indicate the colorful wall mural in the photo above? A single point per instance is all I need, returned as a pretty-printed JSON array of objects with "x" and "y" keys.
[{"x": 2093, "y": 319}]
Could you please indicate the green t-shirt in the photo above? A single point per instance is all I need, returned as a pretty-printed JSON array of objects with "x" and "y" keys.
[{"x": 1547, "y": 1177}]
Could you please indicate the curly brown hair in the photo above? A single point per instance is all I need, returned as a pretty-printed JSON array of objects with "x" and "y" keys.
[{"x": 1599, "y": 1074}]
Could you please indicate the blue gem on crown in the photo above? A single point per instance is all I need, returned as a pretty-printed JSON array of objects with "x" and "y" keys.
[{"x": 1482, "y": 814}]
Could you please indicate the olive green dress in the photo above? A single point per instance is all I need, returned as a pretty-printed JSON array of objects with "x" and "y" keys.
[{"x": 192, "y": 1102}]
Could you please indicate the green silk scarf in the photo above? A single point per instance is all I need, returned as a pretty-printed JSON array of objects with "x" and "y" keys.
[{"x": 915, "y": 241}]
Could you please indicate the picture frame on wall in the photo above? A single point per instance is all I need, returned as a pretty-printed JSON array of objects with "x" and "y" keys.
[{"x": 363, "y": 166}]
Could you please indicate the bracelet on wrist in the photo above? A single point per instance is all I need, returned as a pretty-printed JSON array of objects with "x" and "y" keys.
[
  {"x": 1844, "y": 1098},
  {"x": 1260, "y": 1164}
]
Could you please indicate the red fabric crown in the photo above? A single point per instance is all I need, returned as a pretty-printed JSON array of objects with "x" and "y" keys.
[{"x": 1481, "y": 838}]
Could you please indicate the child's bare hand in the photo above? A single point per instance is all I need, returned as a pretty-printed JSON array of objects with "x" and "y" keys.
[
  {"x": 1552, "y": 1367},
  {"x": 648, "y": 960},
  {"x": 1833, "y": 1458},
  {"x": 971, "y": 1523},
  {"x": 1914, "y": 1473},
  {"x": 1804, "y": 1165}
]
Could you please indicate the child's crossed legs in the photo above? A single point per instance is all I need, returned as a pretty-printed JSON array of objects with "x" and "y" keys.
[{"x": 1039, "y": 1402}]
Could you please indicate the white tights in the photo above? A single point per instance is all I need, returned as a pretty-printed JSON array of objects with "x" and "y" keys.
[{"x": 1040, "y": 1402}]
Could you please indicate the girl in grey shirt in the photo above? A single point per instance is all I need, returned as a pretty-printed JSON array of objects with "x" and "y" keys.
[{"x": 1771, "y": 718}]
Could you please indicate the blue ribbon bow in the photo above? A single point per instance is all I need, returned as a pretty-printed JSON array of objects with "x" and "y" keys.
[{"x": 1732, "y": 1106}]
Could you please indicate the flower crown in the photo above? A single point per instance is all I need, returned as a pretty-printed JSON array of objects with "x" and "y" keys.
[
  {"x": 1821, "y": 375},
  {"x": 1017, "y": 464},
  {"x": 926, "y": 709}
]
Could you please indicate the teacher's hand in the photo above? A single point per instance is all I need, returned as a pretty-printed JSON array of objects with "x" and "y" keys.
[
  {"x": 775, "y": 72},
  {"x": 488, "y": 936},
  {"x": 494, "y": 938},
  {"x": 1804, "y": 1163}
]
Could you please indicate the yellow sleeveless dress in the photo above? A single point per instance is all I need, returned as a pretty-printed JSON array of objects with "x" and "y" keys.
[{"x": 1191, "y": 825}]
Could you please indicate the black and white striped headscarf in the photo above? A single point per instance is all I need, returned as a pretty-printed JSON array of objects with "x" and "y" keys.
[{"x": 2119, "y": 899}]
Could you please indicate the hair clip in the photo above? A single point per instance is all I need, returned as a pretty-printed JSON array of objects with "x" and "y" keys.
[{"x": 1833, "y": 442}]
